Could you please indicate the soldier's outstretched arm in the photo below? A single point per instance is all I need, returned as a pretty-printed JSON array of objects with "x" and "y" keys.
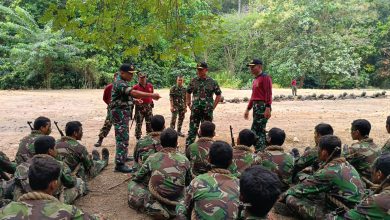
[{"x": 139, "y": 94}]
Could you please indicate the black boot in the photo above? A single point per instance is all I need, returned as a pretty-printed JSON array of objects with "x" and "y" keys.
[
  {"x": 95, "y": 155},
  {"x": 99, "y": 142},
  {"x": 123, "y": 168},
  {"x": 105, "y": 155}
]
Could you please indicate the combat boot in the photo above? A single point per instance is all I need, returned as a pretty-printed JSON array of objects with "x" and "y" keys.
[
  {"x": 123, "y": 168},
  {"x": 95, "y": 155},
  {"x": 105, "y": 155},
  {"x": 99, "y": 142}
]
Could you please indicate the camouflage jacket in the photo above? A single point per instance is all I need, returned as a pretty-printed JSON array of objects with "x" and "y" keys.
[
  {"x": 337, "y": 179},
  {"x": 386, "y": 147},
  {"x": 120, "y": 95},
  {"x": 147, "y": 146},
  {"x": 168, "y": 172},
  {"x": 178, "y": 95},
  {"x": 276, "y": 160},
  {"x": 247, "y": 216},
  {"x": 6, "y": 165},
  {"x": 243, "y": 157},
  {"x": 71, "y": 152},
  {"x": 26, "y": 147},
  {"x": 203, "y": 90},
  {"x": 213, "y": 195},
  {"x": 36, "y": 205},
  {"x": 198, "y": 153},
  {"x": 309, "y": 158},
  {"x": 362, "y": 155}
]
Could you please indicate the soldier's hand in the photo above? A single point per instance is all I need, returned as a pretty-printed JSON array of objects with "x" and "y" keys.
[
  {"x": 172, "y": 109},
  {"x": 138, "y": 101},
  {"x": 246, "y": 114},
  {"x": 267, "y": 113},
  {"x": 156, "y": 96}
]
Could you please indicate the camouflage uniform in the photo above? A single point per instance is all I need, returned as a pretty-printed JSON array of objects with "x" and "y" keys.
[
  {"x": 202, "y": 104},
  {"x": 281, "y": 163},
  {"x": 71, "y": 152},
  {"x": 308, "y": 159},
  {"x": 26, "y": 147},
  {"x": 160, "y": 183},
  {"x": 213, "y": 195},
  {"x": 37, "y": 205},
  {"x": 243, "y": 157},
  {"x": 198, "y": 153},
  {"x": 386, "y": 147},
  {"x": 338, "y": 180},
  {"x": 143, "y": 111},
  {"x": 362, "y": 155},
  {"x": 6, "y": 166},
  {"x": 145, "y": 147},
  {"x": 107, "y": 126},
  {"x": 177, "y": 95},
  {"x": 259, "y": 124}
]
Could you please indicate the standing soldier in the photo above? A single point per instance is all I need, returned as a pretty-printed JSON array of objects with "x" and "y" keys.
[
  {"x": 202, "y": 87},
  {"x": 177, "y": 97},
  {"x": 386, "y": 147},
  {"x": 294, "y": 87},
  {"x": 260, "y": 101},
  {"x": 121, "y": 103},
  {"x": 143, "y": 110}
]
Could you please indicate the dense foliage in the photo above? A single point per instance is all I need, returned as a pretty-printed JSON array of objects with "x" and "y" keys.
[{"x": 80, "y": 43}]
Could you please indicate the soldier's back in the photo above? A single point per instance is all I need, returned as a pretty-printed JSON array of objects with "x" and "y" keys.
[
  {"x": 26, "y": 147},
  {"x": 243, "y": 157},
  {"x": 147, "y": 146},
  {"x": 386, "y": 147},
  {"x": 71, "y": 152},
  {"x": 198, "y": 153}
]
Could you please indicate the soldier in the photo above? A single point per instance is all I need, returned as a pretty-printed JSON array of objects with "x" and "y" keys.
[
  {"x": 260, "y": 101},
  {"x": 42, "y": 126},
  {"x": 43, "y": 178},
  {"x": 363, "y": 153},
  {"x": 213, "y": 195},
  {"x": 386, "y": 147},
  {"x": 202, "y": 106},
  {"x": 149, "y": 144},
  {"x": 198, "y": 152},
  {"x": 76, "y": 156},
  {"x": 275, "y": 159},
  {"x": 121, "y": 103},
  {"x": 259, "y": 190},
  {"x": 71, "y": 187},
  {"x": 177, "y": 98},
  {"x": 294, "y": 87},
  {"x": 310, "y": 156},
  {"x": 160, "y": 183},
  {"x": 243, "y": 154},
  {"x": 336, "y": 180},
  {"x": 143, "y": 110},
  {"x": 6, "y": 166}
]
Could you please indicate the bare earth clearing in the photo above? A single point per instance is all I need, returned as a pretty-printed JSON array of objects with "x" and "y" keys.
[{"x": 297, "y": 118}]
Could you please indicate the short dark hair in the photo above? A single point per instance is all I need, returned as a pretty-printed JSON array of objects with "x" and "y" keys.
[
  {"x": 207, "y": 129},
  {"x": 388, "y": 121},
  {"x": 363, "y": 126},
  {"x": 247, "y": 137},
  {"x": 157, "y": 122},
  {"x": 261, "y": 188},
  {"x": 43, "y": 143},
  {"x": 179, "y": 76},
  {"x": 323, "y": 129},
  {"x": 42, "y": 171},
  {"x": 382, "y": 163},
  {"x": 277, "y": 136},
  {"x": 168, "y": 138},
  {"x": 221, "y": 154},
  {"x": 41, "y": 122},
  {"x": 329, "y": 143},
  {"x": 71, "y": 127}
]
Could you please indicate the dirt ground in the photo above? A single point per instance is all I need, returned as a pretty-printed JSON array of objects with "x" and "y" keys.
[{"x": 297, "y": 118}]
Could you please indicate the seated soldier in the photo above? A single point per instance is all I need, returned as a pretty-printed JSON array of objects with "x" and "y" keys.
[
  {"x": 362, "y": 154},
  {"x": 6, "y": 166},
  {"x": 215, "y": 194},
  {"x": 310, "y": 156},
  {"x": 71, "y": 187},
  {"x": 259, "y": 190},
  {"x": 76, "y": 156},
  {"x": 40, "y": 203},
  {"x": 160, "y": 183},
  {"x": 386, "y": 147},
  {"x": 336, "y": 180},
  {"x": 150, "y": 143},
  {"x": 42, "y": 126},
  {"x": 243, "y": 154},
  {"x": 275, "y": 159},
  {"x": 198, "y": 152}
]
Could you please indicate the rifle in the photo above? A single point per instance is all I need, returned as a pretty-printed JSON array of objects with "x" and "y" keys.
[
  {"x": 29, "y": 123},
  {"x": 59, "y": 130},
  {"x": 330, "y": 157},
  {"x": 231, "y": 135}
]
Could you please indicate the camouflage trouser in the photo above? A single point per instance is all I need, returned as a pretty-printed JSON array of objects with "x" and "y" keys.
[
  {"x": 69, "y": 195},
  {"x": 98, "y": 166},
  {"x": 3, "y": 200},
  {"x": 197, "y": 116},
  {"x": 142, "y": 200},
  {"x": 294, "y": 90},
  {"x": 106, "y": 127},
  {"x": 120, "y": 118},
  {"x": 259, "y": 124},
  {"x": 181, "y": 113},
  {"x": 307, "y": 208},
  {"x": 143, "y": 111}
]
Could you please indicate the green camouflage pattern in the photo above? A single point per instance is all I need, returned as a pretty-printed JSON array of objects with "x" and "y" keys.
[
  {"x": 6, "y": 165},
  {"x": 338, "y": 179},
  {"x": 143, "y": 111},
  {"x": 213, "y": 195},
  {"x": 248, "y": 216},
  {"x": 386, "y": 147},
  {"x": 198, "y": 154},
  {"x": 308, "y": 159},
  {"x": 177, "y": 95},
  {"x": 202, "y": 104},
  {"x": 259, "y": 124},
  {"x": 26, "y": 147},
  {"x": 281, "y": 163},
  {"x": 145, "y": 147},
  {"x": 243, "y": 157},
  {"x": 106, "y": 126},
  {"x": 3, "y": 200},
  {"x": 362, "y": 155},
  {"x": 71, "y": 152}
]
